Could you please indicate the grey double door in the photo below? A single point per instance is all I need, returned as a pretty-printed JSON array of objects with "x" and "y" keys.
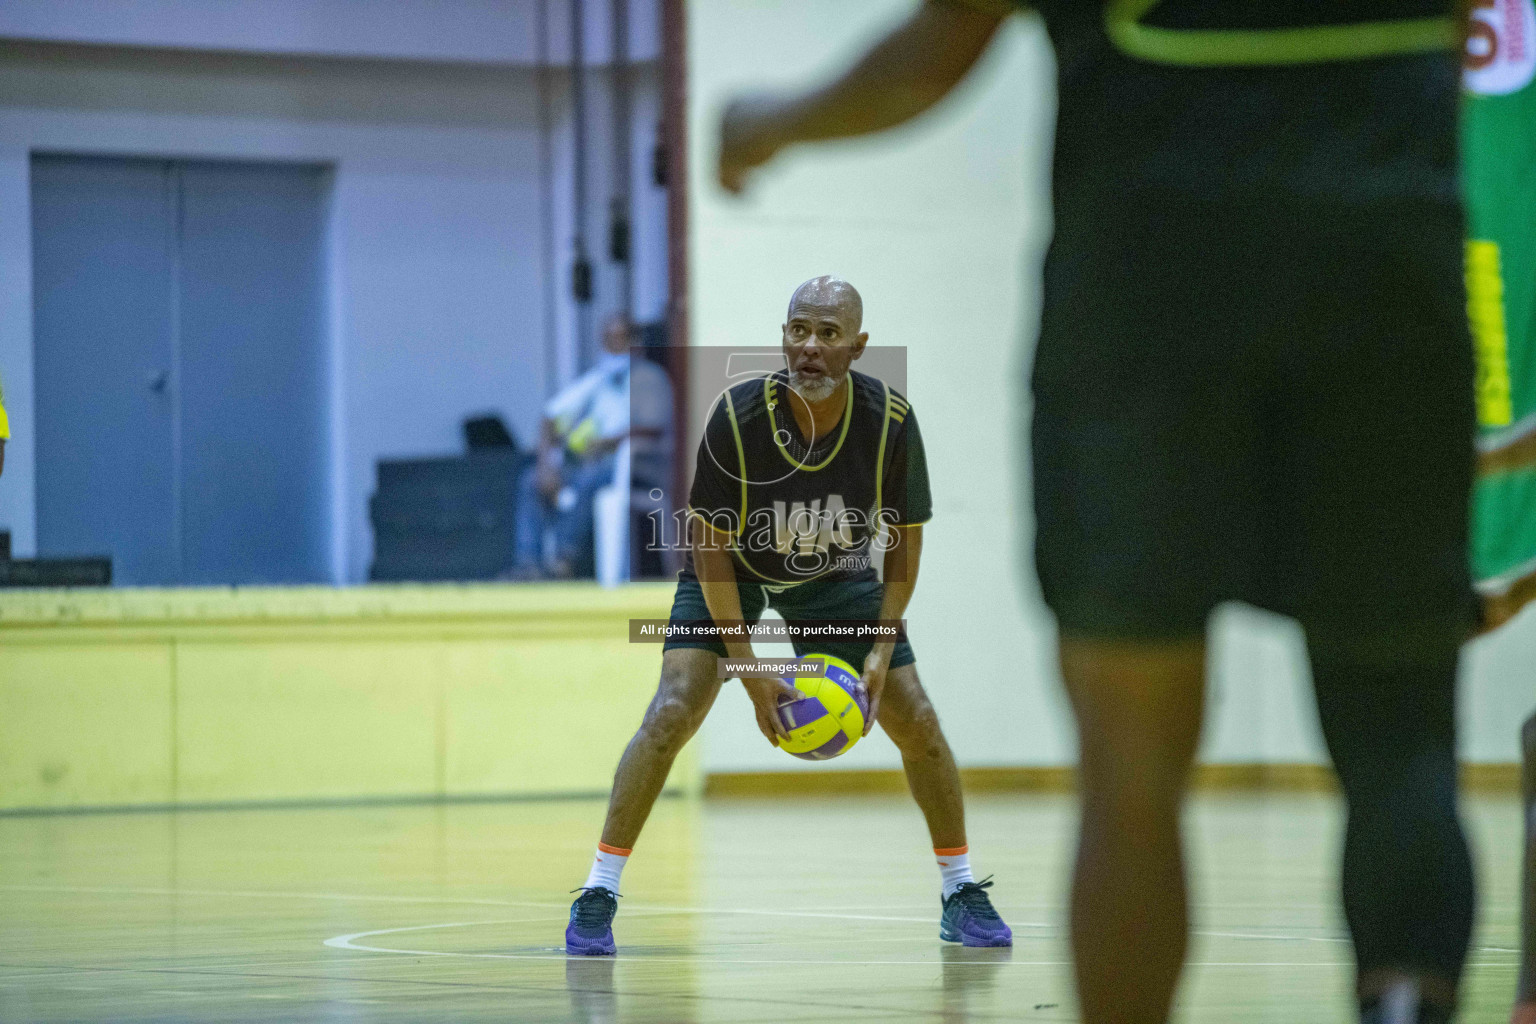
[{"x": 180, "y": 368}]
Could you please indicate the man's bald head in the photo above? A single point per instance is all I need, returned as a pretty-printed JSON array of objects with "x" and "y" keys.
[
  {"x": 829, "y": 296},
  {"x": 822, "y": 336}
]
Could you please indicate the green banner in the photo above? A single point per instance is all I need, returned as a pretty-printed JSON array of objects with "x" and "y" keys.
[{"x": 1499, "y": 166}]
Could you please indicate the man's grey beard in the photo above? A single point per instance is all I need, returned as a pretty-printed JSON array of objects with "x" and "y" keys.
[{"x": 814, "y": 389}]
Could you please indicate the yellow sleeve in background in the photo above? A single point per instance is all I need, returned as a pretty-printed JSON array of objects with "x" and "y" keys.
[{"x": 5, "y": 421}]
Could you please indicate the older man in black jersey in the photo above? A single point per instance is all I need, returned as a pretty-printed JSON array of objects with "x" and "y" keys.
[
  {"x": 803, "y": 476},
  {"x": 1253, "y": 381}
]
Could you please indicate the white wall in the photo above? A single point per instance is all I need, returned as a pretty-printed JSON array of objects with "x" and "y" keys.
[
  {"x": 440, "y": 283},
  {"x": 941, "y": 225}
]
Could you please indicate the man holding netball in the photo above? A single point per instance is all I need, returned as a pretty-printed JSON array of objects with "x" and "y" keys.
[{"x": 802, "y": 478}]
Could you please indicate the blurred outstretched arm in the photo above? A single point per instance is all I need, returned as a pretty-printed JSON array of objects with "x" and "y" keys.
[{"x": 903, "y": 75}]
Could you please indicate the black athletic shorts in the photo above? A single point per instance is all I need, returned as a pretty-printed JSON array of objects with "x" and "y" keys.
[
  {"x": 857, "y": 599},
  {"x": 1266, "y": 403}
]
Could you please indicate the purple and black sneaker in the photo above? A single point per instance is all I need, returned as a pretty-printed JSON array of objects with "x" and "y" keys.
[
  {"x": 970, "y": 919},
  {"x": 590, "y": 932}
]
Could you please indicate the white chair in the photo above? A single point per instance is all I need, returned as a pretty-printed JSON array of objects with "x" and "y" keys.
[
  {"x": 613, "y": 511},
  {"x": 610, "y": 523}
]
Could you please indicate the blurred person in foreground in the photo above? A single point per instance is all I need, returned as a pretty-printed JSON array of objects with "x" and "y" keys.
[
  {"x": 620, "y": 397},
  {"x": 1253, "y": 381}
]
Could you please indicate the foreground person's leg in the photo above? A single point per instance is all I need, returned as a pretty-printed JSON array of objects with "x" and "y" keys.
[{"x": 1139, "y": 709}]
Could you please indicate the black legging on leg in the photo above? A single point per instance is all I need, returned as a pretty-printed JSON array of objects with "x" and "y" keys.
[{"x": 1407, "y": 878}]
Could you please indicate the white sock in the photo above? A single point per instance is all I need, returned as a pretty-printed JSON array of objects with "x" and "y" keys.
[
  {"x": 607, "y": 865},
  {"x": 954, "y": 868}
]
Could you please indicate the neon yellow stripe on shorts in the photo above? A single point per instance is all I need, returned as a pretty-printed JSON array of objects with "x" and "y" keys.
[{"x": 1312, "y": 44}]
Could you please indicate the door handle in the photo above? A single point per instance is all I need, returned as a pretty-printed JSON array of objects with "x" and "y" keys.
[{"x": 158, "y": 381}]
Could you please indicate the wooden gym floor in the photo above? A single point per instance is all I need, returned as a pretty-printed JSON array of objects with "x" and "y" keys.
[{"x": 735, "y": 910}]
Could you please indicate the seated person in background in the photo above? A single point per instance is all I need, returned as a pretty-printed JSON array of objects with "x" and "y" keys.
[{"x": 579, "y": 440}]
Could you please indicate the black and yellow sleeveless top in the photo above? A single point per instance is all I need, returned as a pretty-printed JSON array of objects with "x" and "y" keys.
[
  {"x": 1346, "y": 100},
  {"x": 801, "y": 508}
]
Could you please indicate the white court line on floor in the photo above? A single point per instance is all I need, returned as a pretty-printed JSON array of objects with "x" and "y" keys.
[
  {"x": 642, "y": 907},
  {"x": 1283, "y": 938},
  {"x": 349, "y": 942}
]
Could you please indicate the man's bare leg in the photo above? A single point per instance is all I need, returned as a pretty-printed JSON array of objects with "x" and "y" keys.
[
  {"x": 687, "y": 691},
  {"x": 682, "y": 699},
  {"x": 1139, "y": 710},
  {"x": 909, "y": 720}
]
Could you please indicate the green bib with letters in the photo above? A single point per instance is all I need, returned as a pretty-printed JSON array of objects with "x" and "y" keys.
[{"x": 1499, "y": 167}]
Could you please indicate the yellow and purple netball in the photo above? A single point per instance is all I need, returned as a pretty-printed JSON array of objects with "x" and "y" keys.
[{"x": 829, "y": 719}]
